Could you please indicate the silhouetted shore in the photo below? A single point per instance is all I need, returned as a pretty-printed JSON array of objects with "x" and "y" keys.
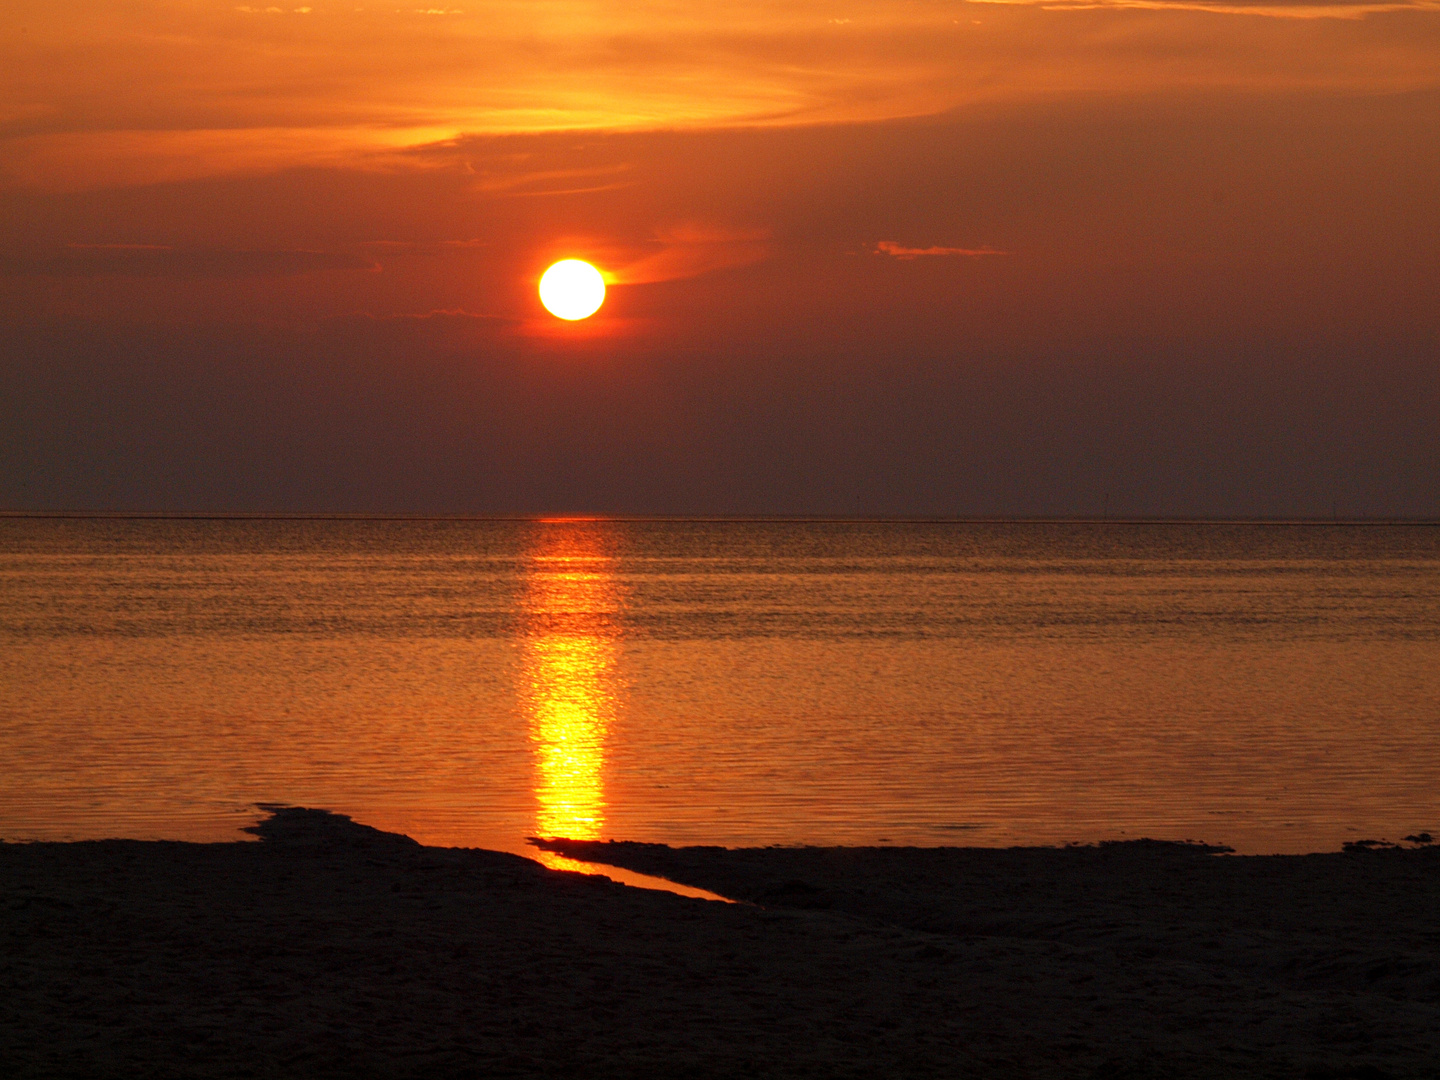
[{"x": 332, "y": 949}]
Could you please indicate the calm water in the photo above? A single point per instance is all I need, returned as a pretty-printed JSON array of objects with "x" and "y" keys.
[{"x": 1274, "y": 688}]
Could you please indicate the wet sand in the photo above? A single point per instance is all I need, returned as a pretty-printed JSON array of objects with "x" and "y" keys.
[{"x": 331, "y": 949}]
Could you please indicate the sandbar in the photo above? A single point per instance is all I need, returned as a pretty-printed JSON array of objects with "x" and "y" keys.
[{"x": 331, "y": 949}]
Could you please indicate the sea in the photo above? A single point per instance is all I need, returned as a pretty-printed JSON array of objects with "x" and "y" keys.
[{"x": 1270, "y": 687}]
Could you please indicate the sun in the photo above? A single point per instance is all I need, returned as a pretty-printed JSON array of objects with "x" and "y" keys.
[{"x": 572, "y": 289}]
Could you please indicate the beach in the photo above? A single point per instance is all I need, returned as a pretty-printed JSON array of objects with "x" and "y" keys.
[{"x": 333, "y": 949}]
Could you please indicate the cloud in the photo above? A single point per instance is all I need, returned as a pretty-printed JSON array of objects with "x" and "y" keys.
[
  {"x": 690, "y": 249},
  {"x": 572, "y": 181},
  {"x": 99, "y": 95},
  {"x": 1300, "y": 9},
  {"x": 162, "y": 261},
  {"x": 84, "y": 160},
  {"x": 441, "y": 328},
  {"x": 889, "y": 247}
]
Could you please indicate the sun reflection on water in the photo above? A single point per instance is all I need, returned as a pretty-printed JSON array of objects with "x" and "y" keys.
[{"x": 569, "y": 688}]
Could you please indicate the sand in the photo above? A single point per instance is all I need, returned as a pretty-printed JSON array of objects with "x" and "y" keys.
[{"x": 331, "y": 949}]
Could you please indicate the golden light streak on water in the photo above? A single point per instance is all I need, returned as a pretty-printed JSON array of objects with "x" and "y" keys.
[
  {"x": 569, "y": 717},
  {"x": 569, "y": 684}
]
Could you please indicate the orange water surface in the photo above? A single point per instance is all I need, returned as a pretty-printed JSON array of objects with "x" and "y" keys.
[{"x": 1275, "y": 688}]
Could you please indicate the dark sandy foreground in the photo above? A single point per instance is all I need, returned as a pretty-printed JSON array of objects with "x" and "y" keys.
[{"x": 335, "y": 950}]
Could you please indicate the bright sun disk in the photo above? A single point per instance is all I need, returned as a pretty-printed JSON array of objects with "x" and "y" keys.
[{"x": 572, "y": 289}]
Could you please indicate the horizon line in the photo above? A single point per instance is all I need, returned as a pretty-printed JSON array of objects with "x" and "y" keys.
[{"x": 818, "y": 519}]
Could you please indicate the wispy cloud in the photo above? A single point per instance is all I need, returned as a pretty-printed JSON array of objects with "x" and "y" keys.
[
  {"x": 1300, "y": 9},
  {"x": 162, "y": 261},
  {"x": 516, "y": 179},
  {"x": 96, "y": 94},
  {"x": 457, "y": 325},
  {"x": 889, "y": 247},
  {"x": 690, "y": 249}
]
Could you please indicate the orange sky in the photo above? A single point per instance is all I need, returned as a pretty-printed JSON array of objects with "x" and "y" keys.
[{"x": 922, "y": 257}]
